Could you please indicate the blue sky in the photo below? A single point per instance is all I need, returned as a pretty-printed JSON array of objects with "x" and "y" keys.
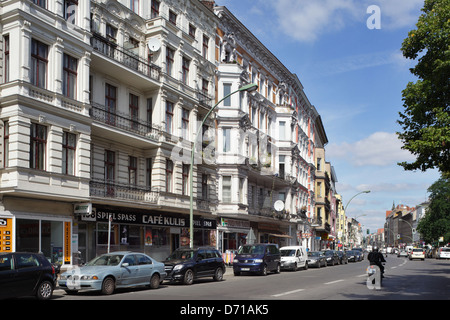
[{"x": 354, "y": 76}]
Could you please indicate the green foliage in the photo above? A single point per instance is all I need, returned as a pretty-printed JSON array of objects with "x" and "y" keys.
[
  {"x": 437, "y": 220},
  {"x": 426, "y": 117}
]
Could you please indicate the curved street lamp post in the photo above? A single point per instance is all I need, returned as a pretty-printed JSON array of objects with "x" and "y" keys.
[{"x": 249, "y": 88}]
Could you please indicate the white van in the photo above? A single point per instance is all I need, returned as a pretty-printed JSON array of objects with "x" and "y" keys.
[{"x": 294, "y": 257}]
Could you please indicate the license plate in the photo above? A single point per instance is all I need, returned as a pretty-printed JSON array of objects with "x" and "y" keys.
[{"x": 245, "y": 269}]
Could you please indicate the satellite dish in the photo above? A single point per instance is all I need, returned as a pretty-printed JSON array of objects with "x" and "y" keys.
[
  {"x": 154, "y": 44},
  {"x": 279, "y": 205}
]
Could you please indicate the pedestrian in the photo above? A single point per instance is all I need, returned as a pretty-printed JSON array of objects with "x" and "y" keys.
[{"x": 376, "y": 258}]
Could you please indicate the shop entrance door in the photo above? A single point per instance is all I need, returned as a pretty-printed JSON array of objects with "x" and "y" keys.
[{"x": 175, "y": 243}]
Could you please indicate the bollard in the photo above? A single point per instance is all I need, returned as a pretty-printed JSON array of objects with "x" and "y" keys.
[{"x": 373, "y": 277}]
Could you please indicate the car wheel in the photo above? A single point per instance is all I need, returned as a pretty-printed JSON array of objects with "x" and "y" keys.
[
  {"x": 264, "y": 271},
  {"x": 108, "y": 286},
  {"x": 188, "y": 277},
  {"x": 218, "y": 275},
  {"x": 295, "y": 266},
  {"x": 45, "y": 290},
  {"x": 155, "y": 281},
  {"x": 306, "y": 266}
]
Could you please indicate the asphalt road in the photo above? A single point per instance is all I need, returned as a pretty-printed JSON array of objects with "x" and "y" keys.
[{"x": 404, "y": 280}]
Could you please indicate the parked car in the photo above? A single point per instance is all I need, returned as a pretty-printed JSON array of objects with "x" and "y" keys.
[
  {"x": 186, "y": 264},
  {"x": 317, "y": 259},
  {"x": 360, "y": 253},
  {"x": 343, "y": 259},
  {"x": 402, "y": 253},
  {"x": 417, "y": 254},
  {"x": 443, "y": 253},
  {"x": 294, "y": 257},
  {"x": 352, "y": 256},
  {"x": 257, "y": 258},
  {"x": 121, "y": 269},
  {"x": 26, "y": 274},
  {"x": 332, "y": 257}
]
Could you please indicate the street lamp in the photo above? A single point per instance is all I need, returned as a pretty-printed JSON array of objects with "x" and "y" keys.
[
  {"x": 345, "y": 209},
  {"x": 249, "y": 88}
]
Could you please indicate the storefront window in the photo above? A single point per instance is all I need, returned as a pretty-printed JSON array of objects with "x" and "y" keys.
[
  {"x": 52, "y": 240},
  {"x": 42, "y": 236},
  {"x": 27, "y": 232}
]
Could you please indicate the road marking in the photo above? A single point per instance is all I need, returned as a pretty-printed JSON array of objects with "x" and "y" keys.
[
  {"x": 286, "y": 293},
  {"x": 336, "y": 281}
]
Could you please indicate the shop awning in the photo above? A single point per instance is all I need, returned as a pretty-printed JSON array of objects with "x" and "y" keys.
[{"x": 279, "y": 235}]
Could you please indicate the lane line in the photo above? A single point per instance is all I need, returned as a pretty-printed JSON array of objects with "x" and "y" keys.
[
  {"x": 336, "y": 281},
  {"x": 288, "y": 292}
]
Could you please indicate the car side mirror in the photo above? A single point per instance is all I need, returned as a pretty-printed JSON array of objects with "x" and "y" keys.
[{"x": 125, "y": 264}]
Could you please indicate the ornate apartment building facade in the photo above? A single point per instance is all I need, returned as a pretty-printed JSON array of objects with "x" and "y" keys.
[{"x": 101, "y": 102}]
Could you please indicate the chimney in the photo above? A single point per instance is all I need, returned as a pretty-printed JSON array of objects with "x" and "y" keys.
[{"x": 209, "y": 4}]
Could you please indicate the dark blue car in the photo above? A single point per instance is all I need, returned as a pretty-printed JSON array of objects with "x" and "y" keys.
[{"x": 257, "y": 258}]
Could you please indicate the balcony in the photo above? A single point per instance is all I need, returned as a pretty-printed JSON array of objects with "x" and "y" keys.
[
  {"x": 123, "y": 63},
  {"x": 120, "y": 191},
  {"x": 118, "y": 120}
]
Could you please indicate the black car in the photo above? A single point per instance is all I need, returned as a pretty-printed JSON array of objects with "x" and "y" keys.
[
  {"x": 26, "y": 274},
  {"x": 352, "y": 256},
  {"x": 316, "y": 259},
  {"x": 343, "y": 259},
  {"x": 332, "y": 257},
  {"x": 186, "y": 264}
]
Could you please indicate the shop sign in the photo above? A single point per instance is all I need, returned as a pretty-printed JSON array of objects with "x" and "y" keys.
[
  {"x": 146, "y": 219},
  {"x": 225, "y": 222},
  {"x": 82, "y": 208},
  {"x": 6, "y": 235}
]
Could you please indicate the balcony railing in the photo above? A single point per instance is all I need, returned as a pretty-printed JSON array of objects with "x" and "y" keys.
[
  {"x": 122, "y": 121},
  {"x": 125, "y": 57},
  {"x": 114, "y": 190}
]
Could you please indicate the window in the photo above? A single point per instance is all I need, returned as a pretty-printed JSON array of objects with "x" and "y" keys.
[
  {"x": 172, "y": 17},
  {"x": 68, "y": 157},
  {"x": 148, "y": 173},
  {"x": 132, "y": 170},
  {"x": 70, "y": 10},
  {"x": 319, "y": 164},
  {"x": 111, "y": 33},
  {"x": 155, "y": 9},
  {"x": 169, "y": 176},
  {"x": 281, "y": 166},
  {"x": 226, "y": 92},
  {"x": 205, "y": 47},
  {"x": 70, "y": 76},
  {"x": 241, "y": 190},
  {"x": 185, "y": 179},
  {"x": 39, "y": 54},
  {"x": 185, "y": 123},
  {"x": 282, "y": 132},
  {"x": 5, "y": 144},
  {"x": 110, "y": 104},
  {"x": 192, "y": 30},
  {"x": 205, "y": 85},
  {"x": 169, "y": 61},
  {"x": 226, "y": 139},
  {"x": 6, "y": 56},
  {"x": 110, "y": 165},
  {"x": 134, "y": 111},
  {"x": 226, "y": 189},
  {"x": 149, "y": 113},
  {"x": 204, "y": 186},
  {"x": 38, "y": 144},
  {"x": 41, "y": 3},
  {"x": 134, "y": 6},
  {"x": 169, "y": 116},
  {"x": 186, "y": 63}
]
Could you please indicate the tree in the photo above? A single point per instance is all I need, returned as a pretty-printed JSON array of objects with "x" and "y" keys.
[
  {"x": 436, "y": 222},
  {"x": 426, "y": 117}
]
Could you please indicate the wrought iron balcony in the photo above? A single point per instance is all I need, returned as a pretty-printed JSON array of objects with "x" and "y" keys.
[{"x": 119, "y": 191}]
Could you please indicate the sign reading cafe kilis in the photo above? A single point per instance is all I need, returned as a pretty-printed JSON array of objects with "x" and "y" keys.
[{"x": 165, "y": 219}]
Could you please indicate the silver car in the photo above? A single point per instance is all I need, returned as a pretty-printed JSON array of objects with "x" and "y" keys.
[{"x": 114, "y": 270}]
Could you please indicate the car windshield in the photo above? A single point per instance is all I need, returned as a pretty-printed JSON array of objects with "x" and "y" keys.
[
  {"x": 251, "y": 250},
  {"x": 106, "y": 260},
  {"x": 184, "y": 254},
  {"x": 417, "y": 250},
  {"x": 445, "y": 250},
  {"x": 287, "y": 252},
  {"x": 313, "y": 254},
  {"x": 350, "y": 252},
  {"x": 328, "y": 253}
]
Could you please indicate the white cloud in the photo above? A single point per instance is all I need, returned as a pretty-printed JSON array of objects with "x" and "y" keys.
[
  {"x": 379, "y": 149},
  {"x": 306, "y": 20}
]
